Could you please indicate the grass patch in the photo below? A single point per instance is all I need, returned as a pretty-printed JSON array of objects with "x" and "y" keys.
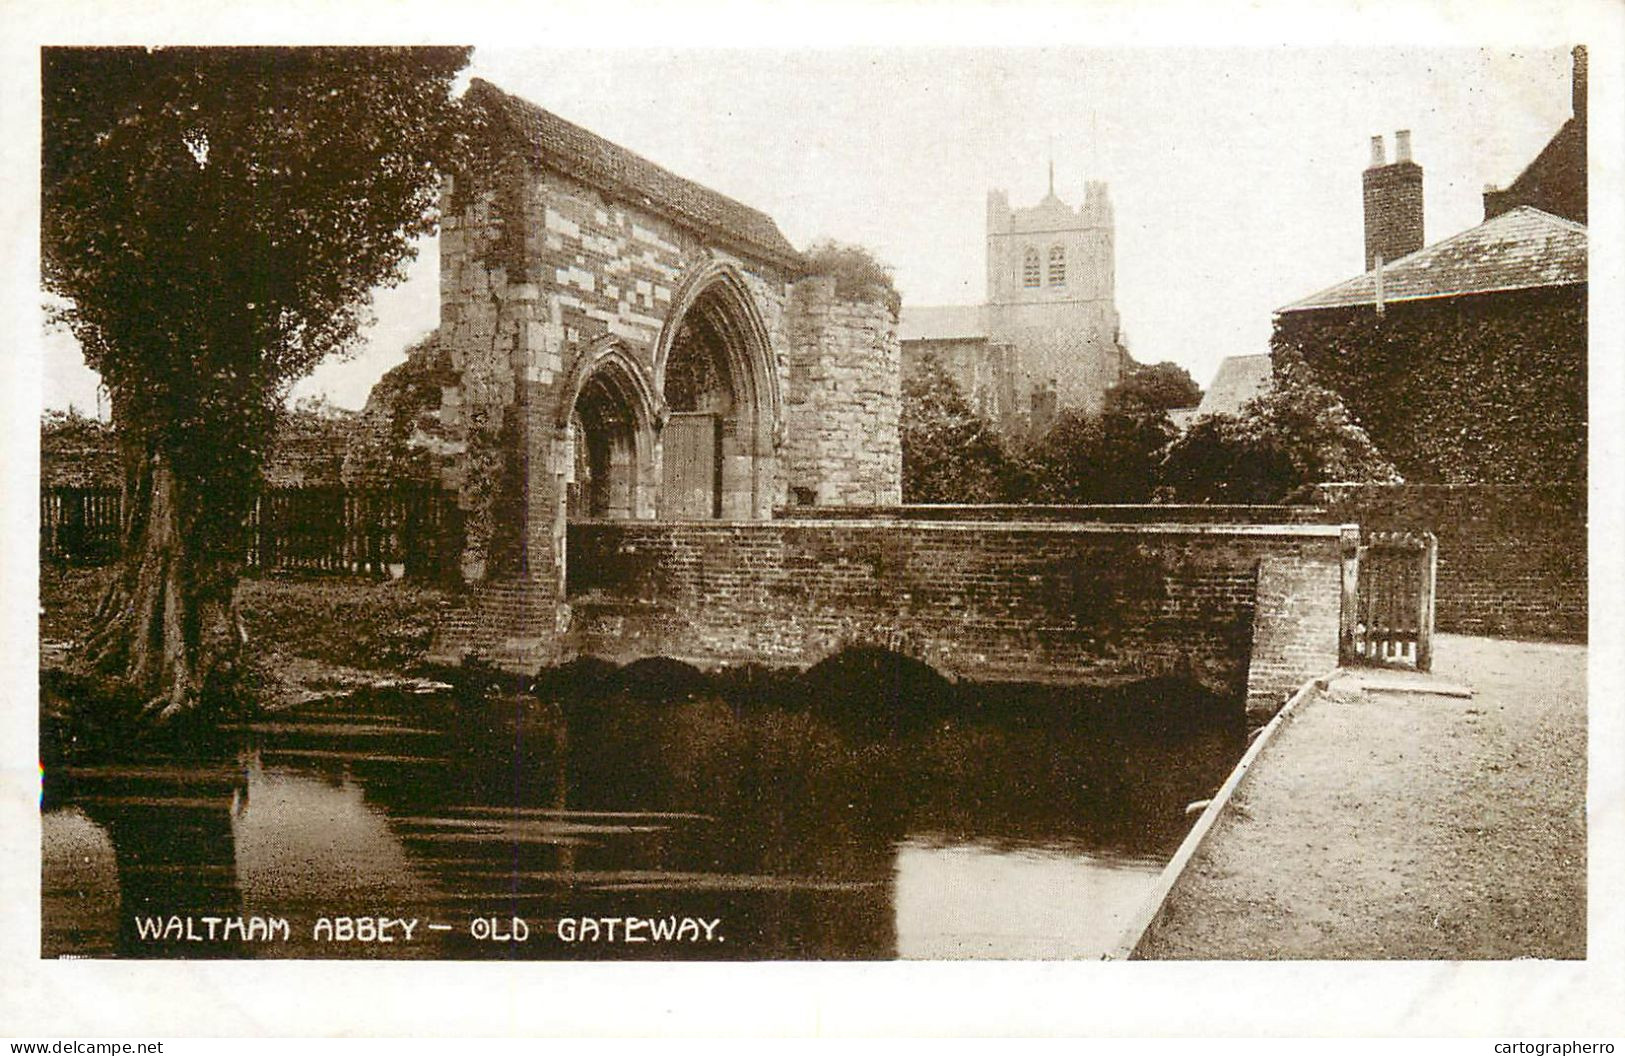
[{"x": 354, "y": 622}]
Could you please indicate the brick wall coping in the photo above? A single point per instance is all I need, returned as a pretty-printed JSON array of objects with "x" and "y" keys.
[
  {"x": 1322, "y": 531},
  {"x": 1102, "y": 512},
  {"x": 1461, "y": 486}
]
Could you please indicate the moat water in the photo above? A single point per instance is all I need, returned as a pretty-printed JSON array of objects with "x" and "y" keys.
[{"x": 635, "y": 825}]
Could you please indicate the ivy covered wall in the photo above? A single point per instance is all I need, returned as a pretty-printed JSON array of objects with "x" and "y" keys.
[{"x": 1489, "y": 388}]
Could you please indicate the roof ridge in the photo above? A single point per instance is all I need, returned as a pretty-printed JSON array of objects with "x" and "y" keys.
[
  {"x": 618, "y": 167},
  {"x": 1422, "y": 258},
  {"x": 1573, "y": 225}
]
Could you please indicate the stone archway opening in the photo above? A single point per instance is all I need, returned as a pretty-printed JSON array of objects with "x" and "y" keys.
[
  {"x": 611, "y": 431},
  {"x": 715, "y": 374},
  {"x": 700, "y": 394},
  {"x": 605, "y": 457}
]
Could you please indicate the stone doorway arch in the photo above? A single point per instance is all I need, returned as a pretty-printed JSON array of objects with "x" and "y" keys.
[
  {"x": 610, "y": 420},
  {"x": 714, "y": 371}
]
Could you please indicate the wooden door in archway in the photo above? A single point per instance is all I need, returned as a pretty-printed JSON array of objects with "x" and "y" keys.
[{"x": 692, "y": 471}]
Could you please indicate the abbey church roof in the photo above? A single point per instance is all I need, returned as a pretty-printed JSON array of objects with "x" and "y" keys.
[
  {"x": 949, "y": 322},
  {"x": 557, "y": 144}
]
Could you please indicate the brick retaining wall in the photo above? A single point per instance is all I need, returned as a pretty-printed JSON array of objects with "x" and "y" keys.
[
  {"x": 1246, "y": 610},
  {"x": 1512, "y": 559}
]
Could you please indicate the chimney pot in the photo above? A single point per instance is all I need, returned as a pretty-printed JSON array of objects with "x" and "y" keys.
[
  {"x": 1378, "y": 154},
  {"x": 1393, "y": 203}
]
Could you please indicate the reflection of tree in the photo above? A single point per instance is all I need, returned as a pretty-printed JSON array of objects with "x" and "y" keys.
[{"x": 171, "y": 830}]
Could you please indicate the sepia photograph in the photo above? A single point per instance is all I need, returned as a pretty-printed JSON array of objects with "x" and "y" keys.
[{"x": 1005, "y": 502}]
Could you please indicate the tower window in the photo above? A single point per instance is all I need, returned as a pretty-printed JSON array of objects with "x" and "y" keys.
[
  {"x": 1029, "y": 270},
  {"x": 1057, "y": 266}
]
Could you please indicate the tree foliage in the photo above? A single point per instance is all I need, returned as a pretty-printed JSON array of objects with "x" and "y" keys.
[
  {"x": 858, "y": 275},
  {"x": 1227, "y": 458},
  {"x": 1149, "y": 389},
  {"x": 215, "y": 219},
  {"x": 950, "y": 453},
  {"x": 1297, "y": 434},
  {"x": 1106, "y": 458}
]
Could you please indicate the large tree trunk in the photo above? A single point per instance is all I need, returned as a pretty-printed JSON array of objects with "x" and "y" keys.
[{"x": 168, "y": 626}]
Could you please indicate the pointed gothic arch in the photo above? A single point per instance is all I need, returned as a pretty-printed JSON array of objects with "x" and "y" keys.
[
  {"x": 715, "y": 371},
  {"x": 610, "y": 418}
]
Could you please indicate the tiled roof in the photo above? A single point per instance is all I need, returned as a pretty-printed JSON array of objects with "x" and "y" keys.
[
  {"x": 1238, "y": 380},
  {"x": 1518, "y": 250},
  {"x": 942, "y": 322},
  {"x": 571, "y": 149}
]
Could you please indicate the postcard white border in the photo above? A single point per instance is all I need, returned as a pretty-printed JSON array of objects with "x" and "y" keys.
[{"x": 48, "y": 999}]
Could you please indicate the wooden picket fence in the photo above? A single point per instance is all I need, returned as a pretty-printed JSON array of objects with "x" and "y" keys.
[
  {"x": 412, "y": 529},
  {"x": 1393, "y": 621},
  {"x": 80, "y": 526}
]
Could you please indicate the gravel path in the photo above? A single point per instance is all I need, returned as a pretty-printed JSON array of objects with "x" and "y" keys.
[{"x": 1382, "y": 824}]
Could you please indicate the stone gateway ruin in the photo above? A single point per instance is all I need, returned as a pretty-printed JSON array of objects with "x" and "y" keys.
[
  {"x": 668, "y": 438},
  {"x": 625, "y": 344}
]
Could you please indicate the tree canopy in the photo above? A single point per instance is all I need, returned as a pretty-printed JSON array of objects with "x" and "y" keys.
[
  {"x": 1106, "y": 458},
  {"x": 218, "y": 216},
  {"x": 1296, "y": 435},
  {"x": 215, "y": 219},
  {"x": 1158, "y": 387},
  {"x": 950, "y": 453}
]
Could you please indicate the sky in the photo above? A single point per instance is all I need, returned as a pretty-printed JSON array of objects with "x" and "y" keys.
[{"x": 1234, "y": 172}]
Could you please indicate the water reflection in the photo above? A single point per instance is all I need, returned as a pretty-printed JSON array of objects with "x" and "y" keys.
[{"x": 1012, "y": 824}]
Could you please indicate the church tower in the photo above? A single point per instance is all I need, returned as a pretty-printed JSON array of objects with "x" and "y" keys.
[{"x": 1051, "y": 298}]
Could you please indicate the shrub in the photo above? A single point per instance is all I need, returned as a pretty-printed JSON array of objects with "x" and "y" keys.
[
  {"x": 1107, "y": 458},
  {"x": 858, "y": 275},
  {"x": 1221, "y": 458},
  {"x": 1296, "y": 435},
  {"x": 950, "y": 453}
]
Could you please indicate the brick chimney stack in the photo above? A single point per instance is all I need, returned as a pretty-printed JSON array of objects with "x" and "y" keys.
[
  {"x": 1393, "y": 202},
  {"x": 1578, "y": 86}
]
